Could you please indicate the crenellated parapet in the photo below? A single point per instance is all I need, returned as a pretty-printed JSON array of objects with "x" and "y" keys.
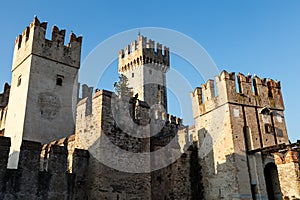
[
  {"x": 106, "y": 99},
  {"x": 42, "y": 171},
  {"x": 287, "y": 164},
  {"x": 237, "y": 89},
  {"x": 33, "y": 41},
  {"x": 143, "y": 52},
  {"x": 166, "y": 127},
  {"x": 167, "y": 119},
  {"x": 290, "y": 156},
  {"x": 4, "y": 96},
  {"x": 111, "y": 115},
  {"x": 116, "y": 117}
]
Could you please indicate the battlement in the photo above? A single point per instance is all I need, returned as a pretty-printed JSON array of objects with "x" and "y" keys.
[
  {"x": 104, "y": 97},
  {"x": 166, "y": 118},
  {"x": 33, "y": 41},
  {"x": 117, "y": 112},
  {"x": 90, "y": 104},
  {"x": 45, "y": 171},
  {"x": 164, "y": 128},
  {"x": 142, "y": 52},
  {"x": 238, "y": 89},
  {"x": 4, "y": 96}
]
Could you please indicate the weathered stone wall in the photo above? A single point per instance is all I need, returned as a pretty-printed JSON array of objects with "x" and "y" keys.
[
  {"x": 4, "y": 97},
  {"x": 44, "y": 86},
  {"x": 30, "y": 181},
  {"x": 263, "y": 106},
  {"x": 180, "y": 180},
  {"x": 99, "y": 160},
  {"x": 183, "y": 138},
  {"x": 145, "y": 67},
  {"x": 3, "y": 113},
  {"x": 141, "y": 52},
  {"x": 104, "y": 128},
  {"x": 216, "y": 152},
  {"x": 100, "y": 131},
  {"x": 247, "y": 114},
  {"x": 289, "y": 173}
]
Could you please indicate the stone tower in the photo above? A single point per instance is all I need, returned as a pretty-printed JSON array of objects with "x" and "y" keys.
[
  {"x": 43, "y": 87},
  {"x": 233, "y": 128},
  {"x": 145, "y": 67}
]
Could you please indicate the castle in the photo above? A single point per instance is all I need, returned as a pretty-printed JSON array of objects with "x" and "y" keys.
[{"x": 238, "y": 147}]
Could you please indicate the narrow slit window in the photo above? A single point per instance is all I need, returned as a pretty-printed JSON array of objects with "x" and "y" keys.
[
  {"x": 270, "y": 91},
  {"x": 19, "y": 80},
  {"x": 254, "y": 85}
]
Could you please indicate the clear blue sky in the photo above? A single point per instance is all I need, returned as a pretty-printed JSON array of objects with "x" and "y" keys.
[{"x": 256, "y": 37}]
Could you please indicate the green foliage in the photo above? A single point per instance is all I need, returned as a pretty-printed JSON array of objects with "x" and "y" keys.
[{"x": 121, "y": 87}]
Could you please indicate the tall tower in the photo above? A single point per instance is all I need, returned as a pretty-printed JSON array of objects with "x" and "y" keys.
[
  {"x": 232, "y": 129},
  {"x": 145, "y": 67},
  {"x": 43, "y": 87}
]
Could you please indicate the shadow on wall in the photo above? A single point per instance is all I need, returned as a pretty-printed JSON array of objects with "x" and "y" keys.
[
  {"x": 272, "y": 182},
  {"x": 55, "y": 182},
  {"x": 180, "y": 180},
  {"x": 195, "y": 173},
  {"x": 228, "y": 177}
]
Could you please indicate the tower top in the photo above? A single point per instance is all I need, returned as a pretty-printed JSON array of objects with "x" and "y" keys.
[
  {"x": 142, "y": 52},
  {"x": 33, "y": 41}
]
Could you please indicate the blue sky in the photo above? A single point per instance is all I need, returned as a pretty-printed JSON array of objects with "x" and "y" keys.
[{"x": 256, "y": 37}]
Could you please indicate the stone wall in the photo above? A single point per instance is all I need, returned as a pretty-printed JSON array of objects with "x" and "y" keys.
[
  {"x": 244, "y": 114},
  {"x": 4, "y": 97},
  {"x": 106, "y": 127},
  {"x": 30, "y": 181},
  {"x": 44, "y": 84},
  {"x": 289, "y": 173},
  {"x": 145, "y": 67},
  {"x": 100, "y": 131},
  {"x": 180, "y": 180},
  {"x": 110, "y": 154}
]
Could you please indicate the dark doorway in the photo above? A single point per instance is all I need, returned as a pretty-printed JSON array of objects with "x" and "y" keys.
[{"x": 272, "y": 182}]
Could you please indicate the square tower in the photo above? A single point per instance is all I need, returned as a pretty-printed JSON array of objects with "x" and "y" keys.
[
  {"x": 43, "y": 87},
  {"x": 232, "y": 128},
  {"x": 146, "y": 67}
]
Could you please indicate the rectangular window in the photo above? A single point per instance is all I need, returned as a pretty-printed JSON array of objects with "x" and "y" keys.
[{"x": 268, "y": 128}]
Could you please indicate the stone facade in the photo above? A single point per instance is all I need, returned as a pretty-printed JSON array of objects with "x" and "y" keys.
[
  {"x": 3, "y": 107},
  {"x": 145, "y": 67},
  {"x": 238, "y": 147},
  {"x": 97, "y": 128},
  {"x": 33, "y": 181},
  {"x": 43, "y": 88},
  {"x": 289, "y": 173},
  {"x": 231, "y": 128}
]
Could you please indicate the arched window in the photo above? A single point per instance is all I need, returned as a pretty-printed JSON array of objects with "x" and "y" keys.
[{"x": 59, "y": 80}]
